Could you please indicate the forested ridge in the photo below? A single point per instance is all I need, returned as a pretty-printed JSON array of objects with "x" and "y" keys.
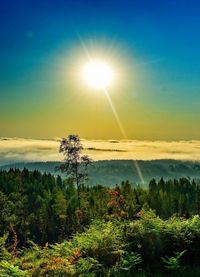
[
  {"x": 115, "y": 232},
  {"x": 111, "y": 172}
]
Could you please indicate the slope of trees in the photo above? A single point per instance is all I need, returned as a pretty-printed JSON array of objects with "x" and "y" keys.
[
  {"x": 120, "y": 231},
  {"x": 44, "y": 208}
]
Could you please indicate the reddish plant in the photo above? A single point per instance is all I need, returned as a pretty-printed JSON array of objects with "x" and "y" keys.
[
  {"x": 79, "y": 214},
  {"x": 15, "y": 241},
  {"x": 116, "y": 205},
  {"x": 75, "y": 256}
]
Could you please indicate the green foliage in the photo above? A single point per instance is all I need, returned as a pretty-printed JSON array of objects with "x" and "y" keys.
[
  {"x": 113, "y": 248},
  {"x": 4, "y": 254},
  {"x": 173, "y": 263},
  {"x": 123, "y": 231},
  {"x": 100, "y": 241},
  {"x": 9, "y": 270},
  {"x": 127, "y": 264},
  {"x": 54, "y": 266},
  {"x": 88, "y": 267},
  {"x": 130, "y": 261}
]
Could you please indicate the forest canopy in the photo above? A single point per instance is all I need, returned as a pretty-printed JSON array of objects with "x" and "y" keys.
[{"x": 121, "y": 230}]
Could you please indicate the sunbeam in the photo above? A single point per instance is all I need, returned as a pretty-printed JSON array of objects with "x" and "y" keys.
[{"x": 123, "y": 132}]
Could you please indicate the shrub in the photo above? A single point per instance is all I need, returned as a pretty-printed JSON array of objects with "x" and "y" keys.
[
  {"x": 7, "y": 269},
  {"x": 173, "y": 263},
  {"x": 101, "y": 242}
]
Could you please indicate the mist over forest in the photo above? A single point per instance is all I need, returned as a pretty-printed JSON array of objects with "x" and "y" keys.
[{"x": 112, "y": 172}]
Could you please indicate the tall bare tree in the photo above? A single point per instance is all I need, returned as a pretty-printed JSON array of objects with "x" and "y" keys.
[{"x": 75, "y": 164}]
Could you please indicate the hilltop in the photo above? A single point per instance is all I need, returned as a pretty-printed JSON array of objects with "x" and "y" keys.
[{"x": 111, "y": 172}]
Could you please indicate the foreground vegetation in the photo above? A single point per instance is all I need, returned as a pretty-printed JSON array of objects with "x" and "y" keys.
[
  {"x": 114, "y": 247},
  {"x": 121, "y": 231}
]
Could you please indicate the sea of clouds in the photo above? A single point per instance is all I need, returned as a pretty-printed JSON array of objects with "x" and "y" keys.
[{"x": 18, "y": 149}]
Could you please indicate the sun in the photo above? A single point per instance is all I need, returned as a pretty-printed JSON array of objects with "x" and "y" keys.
[{"x": 97, "y": 74}]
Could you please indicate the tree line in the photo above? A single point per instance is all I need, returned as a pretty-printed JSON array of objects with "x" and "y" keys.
[{"x": 44, "y": 208}]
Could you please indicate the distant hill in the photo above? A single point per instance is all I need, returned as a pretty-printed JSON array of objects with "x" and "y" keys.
[{"x": 112, "y": 172}]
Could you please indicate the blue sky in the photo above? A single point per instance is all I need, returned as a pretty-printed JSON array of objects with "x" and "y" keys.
[{"x": 164, "y": 35}]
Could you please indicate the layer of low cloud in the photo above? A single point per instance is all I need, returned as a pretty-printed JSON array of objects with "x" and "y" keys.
[{"x": 18, "y": 149}]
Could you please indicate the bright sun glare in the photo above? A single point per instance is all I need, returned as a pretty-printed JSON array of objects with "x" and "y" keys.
[{"x": 97, "y": 74}]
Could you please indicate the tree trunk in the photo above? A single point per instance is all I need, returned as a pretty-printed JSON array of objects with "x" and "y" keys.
[{"x": 78, "y": 188}]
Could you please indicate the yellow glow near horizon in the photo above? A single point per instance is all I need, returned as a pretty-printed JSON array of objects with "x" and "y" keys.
[{"x": 97, "y": 74}]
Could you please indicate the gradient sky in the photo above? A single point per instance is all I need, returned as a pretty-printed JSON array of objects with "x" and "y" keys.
[{"x": 153, "y": 45}]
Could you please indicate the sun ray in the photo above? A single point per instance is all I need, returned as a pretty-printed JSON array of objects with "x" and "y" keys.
[
  {"x": 123, "y": 132},
  {"x": 115, "y": 113}
]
